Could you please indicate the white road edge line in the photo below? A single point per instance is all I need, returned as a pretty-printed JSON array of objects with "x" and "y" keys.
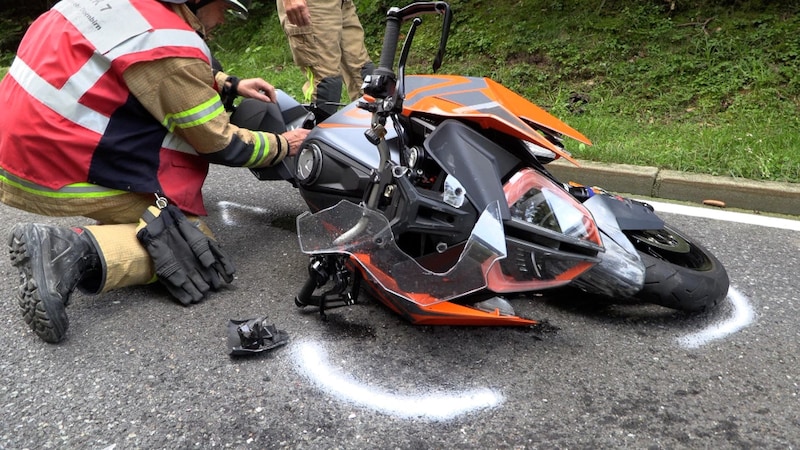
[{"x": 728, "y": 216}]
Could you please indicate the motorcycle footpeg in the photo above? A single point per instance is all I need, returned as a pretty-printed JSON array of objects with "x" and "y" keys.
[
  {"x": 318, "y": 275},
  {"x": 343, "y": 293},
  {"x": 303, "y": 298}
]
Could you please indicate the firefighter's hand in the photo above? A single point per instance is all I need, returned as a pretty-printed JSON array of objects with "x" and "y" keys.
[
  {"x": 258, "y": 89},
  {"x": 295, "y": 138}
]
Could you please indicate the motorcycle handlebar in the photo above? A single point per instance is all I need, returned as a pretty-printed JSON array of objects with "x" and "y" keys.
[{"x": 394, "y": 18}]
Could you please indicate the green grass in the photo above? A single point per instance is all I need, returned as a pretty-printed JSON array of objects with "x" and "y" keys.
[
  {"x": 709, "y": 86},
  {"x": 711, "y": 89}
]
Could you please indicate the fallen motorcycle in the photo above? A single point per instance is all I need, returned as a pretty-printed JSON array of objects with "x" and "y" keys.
[{"x": 432, "y": 193}]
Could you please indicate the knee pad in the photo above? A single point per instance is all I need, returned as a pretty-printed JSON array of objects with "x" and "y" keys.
[{"x": 329, "y": 94}]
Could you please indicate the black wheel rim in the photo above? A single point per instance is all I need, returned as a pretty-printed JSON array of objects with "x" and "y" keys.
[
  {"x": 661, "y": 239},
  {"x": 668, "y": 245}
]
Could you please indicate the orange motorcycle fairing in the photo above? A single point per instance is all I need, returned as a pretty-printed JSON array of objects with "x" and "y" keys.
[
  {"x": 443, "y": 313},
  {"x": 487, "y": 103}
]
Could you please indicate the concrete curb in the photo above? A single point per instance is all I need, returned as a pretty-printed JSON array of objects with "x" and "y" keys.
[{"x": 757, "y": 196}]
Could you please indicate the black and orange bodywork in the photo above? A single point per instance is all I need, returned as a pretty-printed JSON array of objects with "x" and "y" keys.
[
  {"x": 479, "y": 102},
  {"x": 447, "y": 313},
  {"x": 433, "y": 191}
]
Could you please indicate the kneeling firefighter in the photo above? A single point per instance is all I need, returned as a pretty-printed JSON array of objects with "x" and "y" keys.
[{"x": 117, "y": 118}]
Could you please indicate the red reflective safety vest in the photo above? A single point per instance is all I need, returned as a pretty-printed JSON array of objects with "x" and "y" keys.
[{"x": 66, "y": 113}]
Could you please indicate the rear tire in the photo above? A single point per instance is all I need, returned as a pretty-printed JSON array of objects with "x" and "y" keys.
[{"x": 679, "y": 274}]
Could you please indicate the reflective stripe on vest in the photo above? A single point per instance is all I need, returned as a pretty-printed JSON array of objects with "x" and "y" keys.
[
  {"x": 76, "y": 190},
  {"x": 61, "y": 100}
]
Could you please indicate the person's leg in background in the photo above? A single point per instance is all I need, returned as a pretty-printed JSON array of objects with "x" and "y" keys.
[
  {"x": 356, "y": 63},
  {"x": 316, "y": 51}
]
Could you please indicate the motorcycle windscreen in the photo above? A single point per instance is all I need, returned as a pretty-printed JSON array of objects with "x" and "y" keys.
[{"x": 366, "y": 236}]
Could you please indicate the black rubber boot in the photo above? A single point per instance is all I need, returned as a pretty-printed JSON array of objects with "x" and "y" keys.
[
  {"x": 52, "y": 261},
  {"x": 329, "y": 97}
]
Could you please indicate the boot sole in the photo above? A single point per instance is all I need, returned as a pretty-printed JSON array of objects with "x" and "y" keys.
[{"x": 46, "y": 317}]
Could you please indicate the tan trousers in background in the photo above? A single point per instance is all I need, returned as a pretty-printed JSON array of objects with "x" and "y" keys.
[{"x": 332, "y": 45}]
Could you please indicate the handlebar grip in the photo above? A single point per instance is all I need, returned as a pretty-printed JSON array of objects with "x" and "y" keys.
[{"x": 390, "y": 39}]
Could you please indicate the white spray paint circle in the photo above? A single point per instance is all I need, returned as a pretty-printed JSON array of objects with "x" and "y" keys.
[{"x": 440, "y": 405}]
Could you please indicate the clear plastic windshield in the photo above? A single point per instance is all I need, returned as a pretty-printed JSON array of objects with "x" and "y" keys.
[{"x": 366, "y": 236}]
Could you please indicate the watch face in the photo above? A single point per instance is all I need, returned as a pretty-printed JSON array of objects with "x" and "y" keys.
[{"x": 308, "y": 163}]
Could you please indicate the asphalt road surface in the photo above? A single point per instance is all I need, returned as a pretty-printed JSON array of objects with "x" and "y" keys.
[{"x": 140, "y": 371}]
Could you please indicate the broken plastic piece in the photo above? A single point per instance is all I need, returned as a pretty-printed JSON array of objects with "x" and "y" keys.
[{"x": 246, "y": 337}]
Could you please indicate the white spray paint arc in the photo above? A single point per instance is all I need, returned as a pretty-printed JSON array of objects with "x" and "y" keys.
[
  {"x": 742, "y": 316},
  {"x": 439, "y": 405},
  {"x": 226, "y": 208}
]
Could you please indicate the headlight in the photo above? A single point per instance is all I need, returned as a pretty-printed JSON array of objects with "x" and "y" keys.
[
  {"x": 309, "y": 164},
  {"x": 537, "y": 200}
]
